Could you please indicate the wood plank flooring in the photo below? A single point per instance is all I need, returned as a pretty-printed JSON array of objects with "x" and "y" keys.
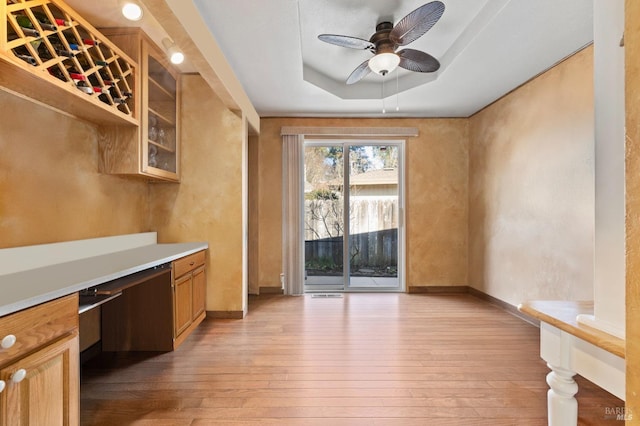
[{"x": 364, "y": 359}]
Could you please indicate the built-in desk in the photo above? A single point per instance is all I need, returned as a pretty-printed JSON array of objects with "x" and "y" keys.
[
  {"x": 93, "y": 297},
  {"x": 80, "y": 268},
  {"x": 130, "y": 277},
  {"x": 569, "y": 348}
]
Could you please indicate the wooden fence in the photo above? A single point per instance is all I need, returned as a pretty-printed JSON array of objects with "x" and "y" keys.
[{"x": 374, "y": 235}]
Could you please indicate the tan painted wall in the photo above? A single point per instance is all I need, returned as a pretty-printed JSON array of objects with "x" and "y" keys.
[
  {"x": 207, "y": 204},
  {"x": 50, "y": 188},
  {"x": 632, "y": 89},
  {"x": 436, "y": 198},
  {"x": 531, "y": 188}
]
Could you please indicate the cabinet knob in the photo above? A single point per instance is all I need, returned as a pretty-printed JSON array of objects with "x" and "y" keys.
[
  {"x": 8, "y": 341},
  {"x": 192, "y": 263},
  {"x": 19, "y": 375},
  {"x": 2, "y": 385}
]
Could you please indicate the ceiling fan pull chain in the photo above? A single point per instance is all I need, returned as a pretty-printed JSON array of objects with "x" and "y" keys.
[
  {"x": 397, "y": 93},
  {"x": 384, "y": 110}
]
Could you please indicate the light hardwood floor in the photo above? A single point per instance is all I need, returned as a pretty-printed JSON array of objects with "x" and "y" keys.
[{"x": 365, "y": 359}]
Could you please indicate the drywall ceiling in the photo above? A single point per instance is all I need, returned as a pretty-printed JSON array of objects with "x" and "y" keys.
[{"x": 486, "y": 49}]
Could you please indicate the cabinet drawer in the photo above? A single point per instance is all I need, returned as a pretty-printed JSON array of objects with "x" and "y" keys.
[
  {"x": 36, "y": 326},
  {"x": 187, "y": 263}
]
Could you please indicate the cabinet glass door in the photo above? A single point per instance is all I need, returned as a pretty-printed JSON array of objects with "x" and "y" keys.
[{"x": 162, "y": 150}]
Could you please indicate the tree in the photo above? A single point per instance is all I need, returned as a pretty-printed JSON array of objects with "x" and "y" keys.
[
  {"x": 323, "y": 165},
  {"x": 388, "y": 155},
  {"x": 359, "y": 159}
]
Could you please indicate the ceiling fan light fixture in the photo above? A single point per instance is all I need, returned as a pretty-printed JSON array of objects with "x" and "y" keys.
[
  {"x": 131, "y": 10},
  {"x": 384, "y": 63}
]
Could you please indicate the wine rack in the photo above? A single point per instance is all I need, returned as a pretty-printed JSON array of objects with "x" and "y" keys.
[{"x": 60, "y": 59}]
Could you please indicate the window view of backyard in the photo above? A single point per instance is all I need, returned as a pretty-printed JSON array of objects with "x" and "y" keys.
[{"x": 373, "y": 216}]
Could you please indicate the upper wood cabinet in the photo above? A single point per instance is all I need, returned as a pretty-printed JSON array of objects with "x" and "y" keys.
[
  {"x": 153, "y": 149},
  {"x": 50, "y": 54}
]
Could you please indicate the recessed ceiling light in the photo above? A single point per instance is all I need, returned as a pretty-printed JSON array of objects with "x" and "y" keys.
[
  {"x": 175, "y": 55},
  {"x": 131, "y": 10}
]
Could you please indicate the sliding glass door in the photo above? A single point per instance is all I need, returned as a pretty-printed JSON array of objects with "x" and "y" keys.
[{"x": 353, "y": 206}]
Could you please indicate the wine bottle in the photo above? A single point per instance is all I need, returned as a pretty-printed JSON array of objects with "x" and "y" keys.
[
  {"x": 93, "y": 80},
  {"x": 62, "y": 22},
  {"x": 60, "y": 49},
  {"x": 74, "y": 46},
  {"x": 103, "y": 89},
  {"x": 66, "y": 53},
  {"x": 57, "y": 72},
  {"x": 84, "y": 63},
  {"x": 105, "y": 75},
  {"x": 27, "y": 58},
  {"x": 84, "y": 87},
  {"x": 31, "y": 32},
  {"x": 77, "y": 76},
  {"x": 119, "y": 100},
  {"x": 24, "y": 21},
  {"x": 43, "y": 52},
  {"x": 44, "y": 21},
  {"x": 91, "y": 42},
  {"x": 27, "y": 26}
]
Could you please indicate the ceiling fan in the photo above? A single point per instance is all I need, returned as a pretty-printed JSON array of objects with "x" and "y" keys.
[{"x": 387, "y": 38}]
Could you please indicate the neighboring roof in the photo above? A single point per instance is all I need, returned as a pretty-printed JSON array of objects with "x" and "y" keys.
[
  {"x": 375, "y": 177},
  {"x": 368, "y": 178}
]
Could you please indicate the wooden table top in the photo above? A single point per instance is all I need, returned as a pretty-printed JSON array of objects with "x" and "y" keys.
[{"x": 563, "y": 314}]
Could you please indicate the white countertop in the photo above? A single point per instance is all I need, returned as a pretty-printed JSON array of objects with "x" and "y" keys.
[{"x": 23, "y": 289}]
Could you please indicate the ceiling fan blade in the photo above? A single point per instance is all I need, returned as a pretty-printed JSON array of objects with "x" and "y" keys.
[
  {"x": 415, "y": 24},
  {"x": 347, "y": 41},
  {"x": 359, "y": 73},
  {"x": 418, "y": 61}
]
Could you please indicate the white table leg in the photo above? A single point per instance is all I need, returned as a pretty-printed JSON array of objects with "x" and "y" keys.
[{"x": 562, "y": 406}]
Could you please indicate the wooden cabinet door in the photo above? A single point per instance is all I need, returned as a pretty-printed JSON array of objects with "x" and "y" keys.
[
  {"x": 49, "y": 393},
  {"x": 182, "y": 303},
  {"x": 199, "y": 292}
]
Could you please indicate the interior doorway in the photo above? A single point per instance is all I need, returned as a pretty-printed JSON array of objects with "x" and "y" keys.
[{"x": 353, "y": 215}]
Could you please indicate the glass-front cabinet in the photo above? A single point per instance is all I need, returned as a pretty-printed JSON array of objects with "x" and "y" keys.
[
  {"x": 154, "y": 151},
  {"x": 159, "y": 128}
]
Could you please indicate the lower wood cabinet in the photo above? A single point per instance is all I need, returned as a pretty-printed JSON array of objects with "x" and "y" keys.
[
  {"x": 182, "y": 303},
  {"x": 189, "y": 290},
  {"x": 159, "y": 313},
  {"x": 39, "y": 371},
  {"x": 199, "y": 293}
]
